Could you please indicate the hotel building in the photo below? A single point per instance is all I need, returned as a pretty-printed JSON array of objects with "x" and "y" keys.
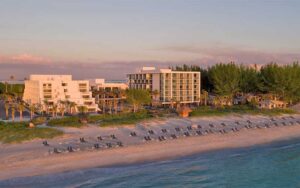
[
  {"x": 172, "y": 86},
  {"x": 56, "y": 88}
]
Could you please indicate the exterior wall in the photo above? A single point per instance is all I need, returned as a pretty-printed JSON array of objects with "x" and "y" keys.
[
  {"x": 32, "y": 93},
  {"x": 55, "y": 88},
  {"x": 173, "y": 86}
]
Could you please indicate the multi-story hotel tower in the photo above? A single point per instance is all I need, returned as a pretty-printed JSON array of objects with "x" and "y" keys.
[
  {"x": 172, "y": 86},
  {"x": 55, "y": 88}
]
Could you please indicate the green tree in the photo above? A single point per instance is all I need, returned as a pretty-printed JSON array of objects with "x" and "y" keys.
[
  {"x": 137, "y": 98},
  {"x": 250, "y": 80},
  {"x": 225, "y": 78}
]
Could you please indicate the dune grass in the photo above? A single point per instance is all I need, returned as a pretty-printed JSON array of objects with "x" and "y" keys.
[
  {"x": 72, "y": 121},
  {"x": 19, "y": 132},
  {"x": 124, "y": 119},
  {"x": 238, "y": 109}
]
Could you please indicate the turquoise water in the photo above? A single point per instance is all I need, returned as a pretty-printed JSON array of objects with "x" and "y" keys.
[{"x": 272, "y": 165}]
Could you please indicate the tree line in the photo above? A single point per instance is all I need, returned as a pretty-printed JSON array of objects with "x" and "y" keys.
[{"x": 282, "y": 81}]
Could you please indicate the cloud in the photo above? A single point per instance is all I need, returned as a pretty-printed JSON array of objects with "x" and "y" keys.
[
  {"x": 24, "y": 58},
  {"x": 208, "y": 56}
]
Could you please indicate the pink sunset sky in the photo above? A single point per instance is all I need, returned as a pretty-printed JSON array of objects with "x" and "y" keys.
[{"x": 111, "y": 38}]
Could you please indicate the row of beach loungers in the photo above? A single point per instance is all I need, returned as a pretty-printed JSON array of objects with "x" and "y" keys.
[{"x": 111, "y": 141}]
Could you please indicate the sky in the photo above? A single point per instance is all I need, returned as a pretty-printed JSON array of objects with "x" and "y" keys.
[{"x": 109, "y": 38}]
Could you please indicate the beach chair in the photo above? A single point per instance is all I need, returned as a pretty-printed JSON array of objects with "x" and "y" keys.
[
  {"x": 133, "y": 134},
  {"x": 82, "y": 140},
  {"x": 199, "y": 133},
  {"x": 189, "y": 128},
  {"x": 120, "y": 144},
  {"x": 108, "y": 145},
  {"x": 45, "y": 143},
  {"x": 173, "y": 136},
  {"x": 164, "y": 130},
  {"x": 151, "y": 132},
  {"x": 177, "y": 129},
  {"x": 55, "y": 150},
  {"x": 113, "y": 136},
  {"x": 96, "y": 146},
  {"x": 70, "y": 149},
  {"x": 186, "y": 134},
  {"x": 99, "y": 138}
]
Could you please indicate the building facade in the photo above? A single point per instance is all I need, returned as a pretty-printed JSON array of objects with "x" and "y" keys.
[
  {"x": 171, "y": 86},
  {"x": 109, "y": 95},
  {"x": 52, "y": 89}
]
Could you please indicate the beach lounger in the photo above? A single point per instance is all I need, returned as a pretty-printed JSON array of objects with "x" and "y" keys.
[
  {"x": 211, "y": 125},
  {"x": 96, "y": 146},
  {"x": 223, "y": 124},
  {"x": 189, "y": 128},
  {"x": 283, "y": 118},
  {"x": 151, "y": 132},
  {"x": 199, "y": 127},
  {"x": 186, "y": 134},
  {"x": 99, "y": 138},
  {"x": 55, "y": 150},
  {"x": 298, "y": 122},
  {"x": 164, "y": 130},
  {"x": 70, "y": 149},
  {"x": 211, "y": 131},
  {"x": 133, "y": 134},
  {"x": 120, "y": 144},
  {"x": 147, "y": 138},
  {"x": 177, "y": 129},
  {"x": 45, "y": 143},
  {"x": 283, "y": 123},
  {"x": 113, "y": 136},
  {"x": 173, "y": 136},
  {"x": 108, "y": 145},
  {"x": 82, "y": 140},
  {"x": 237, "y": 122},
  {"x": 199, "y": 133},
  {"x": 248, "y": 121},
  {"x": 292, "y": 117}
]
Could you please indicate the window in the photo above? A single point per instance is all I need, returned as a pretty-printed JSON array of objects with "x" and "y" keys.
[
  {"x": 65, "y": 90},
  {"x": 64, "y": 84}
]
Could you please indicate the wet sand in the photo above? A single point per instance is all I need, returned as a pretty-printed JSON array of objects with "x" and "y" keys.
[{"x": 31, "y": 158}]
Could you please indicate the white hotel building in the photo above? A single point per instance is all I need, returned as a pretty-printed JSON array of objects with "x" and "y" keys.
[
  {"x": 55, "y": 88},
  {"x": 173, "y": 86}
]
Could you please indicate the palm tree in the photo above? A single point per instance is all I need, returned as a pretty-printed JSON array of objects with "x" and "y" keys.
[
  {"x": 12, "y": 77},
  {"x": 46, "y": 104},
  {"x": 6, "y": 106},
  {"x": 21, "y": 108},
  {"x": 13, "y": 111},
  {"x": 32, "y": 109},
  {"x": 72, "y": 107},
  {"x": 54, "y": 110},
  {"x": 82, "y": 109},
  {"x": 62, "y": 107}
]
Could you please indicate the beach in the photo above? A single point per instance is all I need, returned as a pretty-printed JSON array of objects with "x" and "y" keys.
[{"x": 32, "y": 158}]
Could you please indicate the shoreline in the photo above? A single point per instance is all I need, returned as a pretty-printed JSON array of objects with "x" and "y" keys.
[{"x": 140, "y": 153}]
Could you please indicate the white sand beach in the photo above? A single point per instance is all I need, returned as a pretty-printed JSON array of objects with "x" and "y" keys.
[{"x": 33, "y": 158}]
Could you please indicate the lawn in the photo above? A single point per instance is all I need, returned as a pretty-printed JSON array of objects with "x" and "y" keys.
[
  {"x": 238, "y": 109},
  {"x": 18, "y": 132}
]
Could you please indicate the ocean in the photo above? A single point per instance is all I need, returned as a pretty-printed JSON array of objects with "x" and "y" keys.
[{"x": 275, "y": 165}]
